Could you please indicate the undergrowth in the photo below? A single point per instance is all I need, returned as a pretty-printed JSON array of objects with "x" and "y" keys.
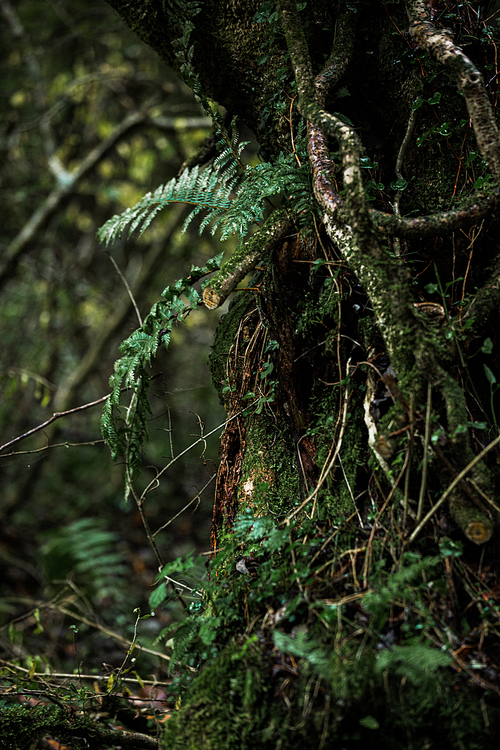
[
  {"x": 329, "y": 658},
  {"x": 87, "y": 552}
]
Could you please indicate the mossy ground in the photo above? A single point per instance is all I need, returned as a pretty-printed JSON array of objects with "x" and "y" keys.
[{"x": 250, "y": 702}]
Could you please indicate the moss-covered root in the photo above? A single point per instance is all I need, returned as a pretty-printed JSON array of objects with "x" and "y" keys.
[{"x": 20, "y": 726}]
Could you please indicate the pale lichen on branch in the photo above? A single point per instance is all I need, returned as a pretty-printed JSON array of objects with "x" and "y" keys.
[
  {"x": 439, "y": 44},
  {"x": 352, "y": 225},
  {"x": 245, "y": 258}
]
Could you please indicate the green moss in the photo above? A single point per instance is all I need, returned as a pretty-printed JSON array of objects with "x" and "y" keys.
[
  {"x": 342, "y": 481},
  {"x": 20, "y": 726},
  {"x": 270, "y": 482},
  {"x": 224, "y": 339},
  {"x": 247, "y": 699}
]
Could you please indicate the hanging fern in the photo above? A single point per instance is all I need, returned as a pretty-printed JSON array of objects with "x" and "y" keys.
[
  {"x": 124, "y": 429},
  {"x": 233, "y": 197}
]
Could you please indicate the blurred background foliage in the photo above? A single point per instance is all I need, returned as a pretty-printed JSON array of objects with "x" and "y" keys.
[{"x": 90, "y": 120}]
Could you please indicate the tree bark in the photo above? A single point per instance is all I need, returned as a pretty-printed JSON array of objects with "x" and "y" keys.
[{"x": 358, "y": 370}]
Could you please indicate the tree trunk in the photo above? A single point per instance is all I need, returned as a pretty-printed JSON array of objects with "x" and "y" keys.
[{"x": 353, "y": 595}]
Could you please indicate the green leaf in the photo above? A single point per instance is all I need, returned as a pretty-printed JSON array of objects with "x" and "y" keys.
[
  {"x": 487, "y": 346},
  {"x": 370, "y": 722},
  {"x": 208, "y": 630},
  {"x": 478, "y": 425},
  {"x": 435, "y": 98},
  {"x": 158, "y": 596},
  {"x": 400, "y": 184},
  {"x": 367, "y": 163},
  {"x": 489, "y": 375},
  {"x": 179, "y": 565},
  {"x": 341, "y": 93},
  {"x": 449, "y": 548},
  {"x": 444, "y": 129}
]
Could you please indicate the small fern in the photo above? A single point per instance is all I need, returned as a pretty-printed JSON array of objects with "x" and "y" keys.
[
  {"x": 416, "y": 662},
  {"x": 87, "y": 551}
]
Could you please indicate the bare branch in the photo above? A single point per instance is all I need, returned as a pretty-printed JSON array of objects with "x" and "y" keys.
[
  {"x": 54, "y": 200},
  {"x": 56, "y": 415}
]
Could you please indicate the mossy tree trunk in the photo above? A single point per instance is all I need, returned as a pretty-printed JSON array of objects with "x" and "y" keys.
[{"x": 358, "y": 476}]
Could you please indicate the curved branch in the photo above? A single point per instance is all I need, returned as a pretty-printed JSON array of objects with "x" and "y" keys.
[
  {"x": 469, "y": 80},
  {"x": 54, "y": 200},
  {"x": 321, "y": 164},
  {"x": 381, "y": 275},
  {"x": 435, "y": 224}
]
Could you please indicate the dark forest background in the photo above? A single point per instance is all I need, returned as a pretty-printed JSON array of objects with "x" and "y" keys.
[{"x": 90, "y": 119}]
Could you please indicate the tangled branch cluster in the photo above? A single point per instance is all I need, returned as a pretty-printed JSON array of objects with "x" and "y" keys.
[{"x": 356, "y": 230}]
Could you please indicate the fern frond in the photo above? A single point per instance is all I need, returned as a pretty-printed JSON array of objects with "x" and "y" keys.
[
  {"x": 126, "y": 431},
  {"x": 86, "y": 549},
  {"x": 204, "y": 190}
]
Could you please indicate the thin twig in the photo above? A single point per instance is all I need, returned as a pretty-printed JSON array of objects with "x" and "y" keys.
[
  {"x": 399, "y": 174},
  {"x": 90, "y": 677},
  {"x": 408, "y": 470},
  {"x": 425, "y": 464},
  {"x": 53, "y": 605},
  {"x": 127, "y": 287},
  {"x": 327, "y": 466},
  {"x": 452, "y": 486},
  {"x": 375, "y": 523},
  {"x": 56, "y": 415},
  {"x": 54, "y": 445},
  {"x": 154, "y": 482},
  {"x": 186, "y": 506}
]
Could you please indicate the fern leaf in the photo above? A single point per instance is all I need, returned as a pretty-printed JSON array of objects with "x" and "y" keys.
[
  {"x": 130, "y": 371},
  {"x": 198, "y": 189}
]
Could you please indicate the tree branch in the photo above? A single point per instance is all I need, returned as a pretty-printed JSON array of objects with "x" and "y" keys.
[
  {"x": 381, "y": 275},
  {"x": 439, "y": 45},
  {"x": 245, "y": 258},
  {"x": 34, "y": 225}
]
